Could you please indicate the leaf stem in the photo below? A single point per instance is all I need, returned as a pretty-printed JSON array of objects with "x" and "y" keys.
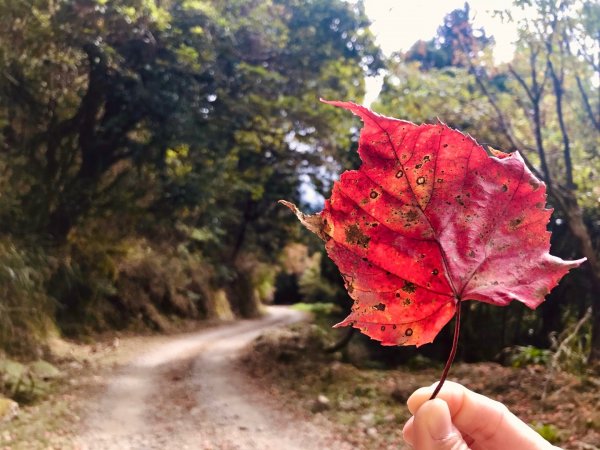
[{"x": 452, "y": 352}]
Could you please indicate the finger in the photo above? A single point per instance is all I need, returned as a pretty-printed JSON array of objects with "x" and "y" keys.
[
  {"x": 408, "y": 432},
  {"x": 432, "y": 428},
  {"x": 488, "y": 422}
]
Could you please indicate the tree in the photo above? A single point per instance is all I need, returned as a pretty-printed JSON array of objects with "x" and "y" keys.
[
  {"x": 541, "y": 104},
  {"x": 552, "y": 75},
  {"x": 455, "y": 43},
  {"x": 88, "y": 91},
  {"x": 188, "y": 114}
]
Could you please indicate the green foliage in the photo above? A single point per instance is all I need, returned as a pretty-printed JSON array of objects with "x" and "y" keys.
[
  {"x": 514, "y": 106},
  {"x": 318, "y": 308},
  {"x": 240, "y": 82},
  {"x": 145, "y": 143},
  {"x": 134, "y": 284},
  {"x": 312, "y": 286},
  {"x": 263, "y": 280},
  {"x": 26, "y": 383},
  {"x": 548, "y": 432},
  {"x": 25, "y": 307},
  {"x": 449, "y": 95},
  {"x": 522, "y": 356}
]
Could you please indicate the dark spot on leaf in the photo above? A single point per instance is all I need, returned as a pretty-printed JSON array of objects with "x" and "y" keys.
[
  {"x": 445, "y": 145},
  {"x": 539, "y": 205},
  {"x": 439, "y": 180},
  {"x": 397, "y": 295},
  {"x": 379, "y": 307},
  {"x": 426, "y": 158},
  {"x": 534, "y": 184},
  {"x": 355, "y": 236},
  {"x": 513, "y": 224},
  {"x": 495, "y": 283},
  {"x": 394, "y": 327},
  {"x": 411, "y": 215},
  {"x": 435, "y": 272},
  {"x": 418, "y": 166},
  {"x": 504, "y": 188},
  {"x": 399, "y": 174},
  {"x": 407, "y": 302},
  {"x": 373, "y": 194},
  {"x": 409, "y": 287},
  {"x": 471, "y": 254},
  {"x": 365, "y": 259},
  {"x": 459, "y": 200},
  {"x": 382, "y": 327},
  {"x": 421, "y": 180},
  {"x": 374, "y": 225},
  {"x": 408, "y": 332}
]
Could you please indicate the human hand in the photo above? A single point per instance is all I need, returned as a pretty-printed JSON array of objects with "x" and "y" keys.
[{"x": 460, "y": 419}]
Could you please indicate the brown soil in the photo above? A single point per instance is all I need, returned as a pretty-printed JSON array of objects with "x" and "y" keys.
[{"x": 369, "y": 405}]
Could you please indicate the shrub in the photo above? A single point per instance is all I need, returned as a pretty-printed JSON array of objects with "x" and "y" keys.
[
  {"x": 522, "y": 356},
  {"x": 25, "y": 309}
]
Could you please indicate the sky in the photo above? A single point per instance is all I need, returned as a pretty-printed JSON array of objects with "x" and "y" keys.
[{"x": 397, "y": 24}]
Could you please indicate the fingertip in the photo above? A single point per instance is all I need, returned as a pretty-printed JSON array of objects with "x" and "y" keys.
[
  {"x": 435, "y": 416},
  {"x": 449, "y": 390},
  {"x": 419, "y": 397},
  {"x": 408, "y": 431}
]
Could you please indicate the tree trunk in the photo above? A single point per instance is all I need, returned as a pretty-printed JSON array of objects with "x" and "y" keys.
[
  {"x": 581, "y": 233},
  {"x": 242, "y": 296},
  {"x": 74, "y": 202}
]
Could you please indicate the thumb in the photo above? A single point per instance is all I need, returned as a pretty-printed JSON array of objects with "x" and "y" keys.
[{"x": 433, "y": 428}]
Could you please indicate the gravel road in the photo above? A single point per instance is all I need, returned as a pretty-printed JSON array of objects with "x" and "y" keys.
[{"x": 186, "y": 393}]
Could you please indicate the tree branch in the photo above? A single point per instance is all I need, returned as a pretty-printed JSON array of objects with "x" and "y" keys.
[
  {"x": 535, "y": 94},
  {"x": 521, "y": 81},
  {"x": 557, "y": 83},
  {"x": 586, "y": 104}
]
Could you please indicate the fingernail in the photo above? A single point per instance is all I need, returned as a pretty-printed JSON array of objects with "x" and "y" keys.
[{"x": 437, "y": 419}]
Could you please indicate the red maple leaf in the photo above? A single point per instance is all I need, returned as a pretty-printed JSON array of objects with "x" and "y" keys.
[{"x": 429, "y": 220}]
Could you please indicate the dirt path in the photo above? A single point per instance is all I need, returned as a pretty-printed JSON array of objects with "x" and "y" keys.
[{"x": 187, "y": 394}]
